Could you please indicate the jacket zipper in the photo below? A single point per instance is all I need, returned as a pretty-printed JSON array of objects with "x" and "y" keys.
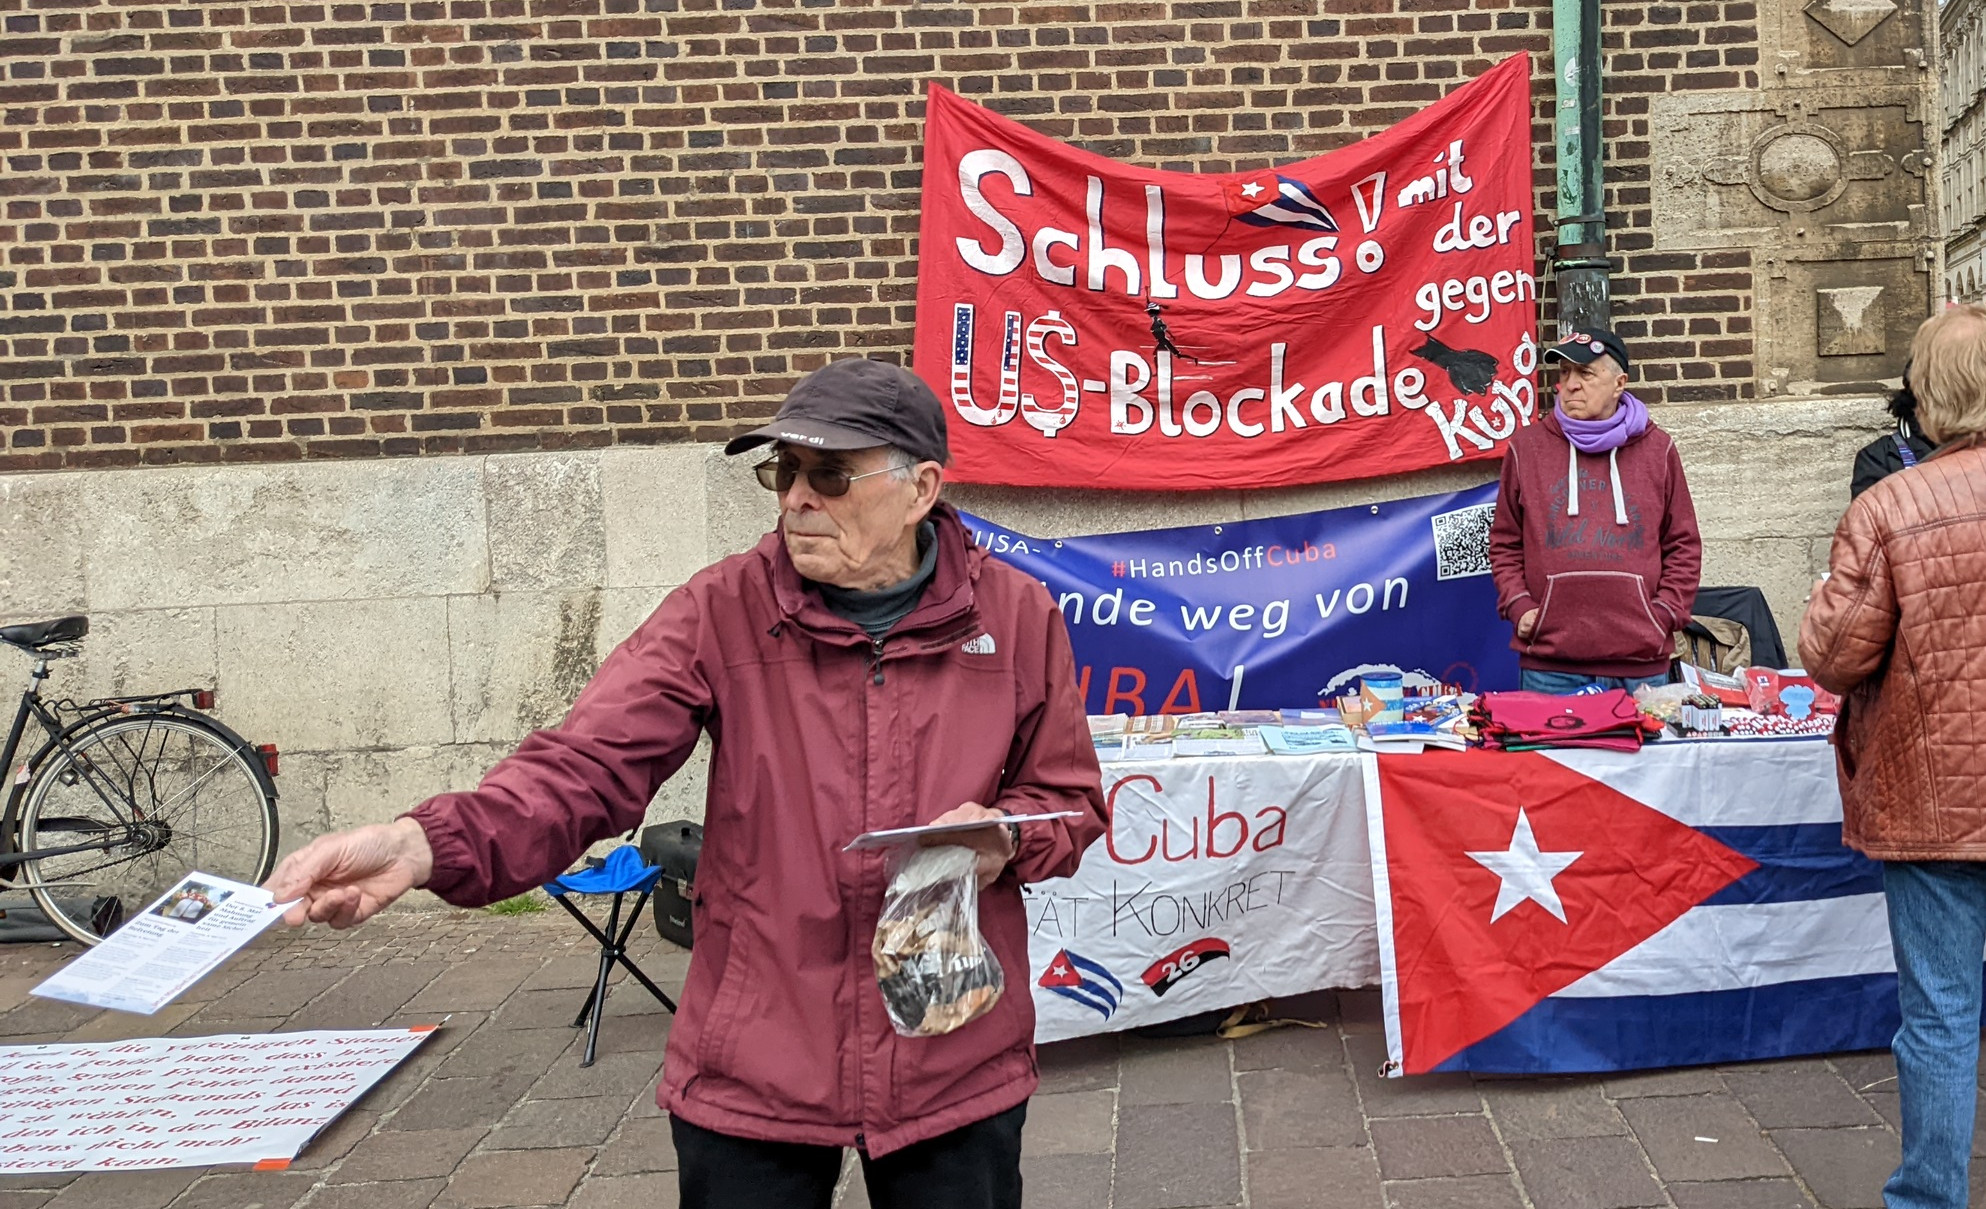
[{"x": 876, "y": 660}]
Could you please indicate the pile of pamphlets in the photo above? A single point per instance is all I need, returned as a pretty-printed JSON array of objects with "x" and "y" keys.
[{"x": 1434, "y": 720}]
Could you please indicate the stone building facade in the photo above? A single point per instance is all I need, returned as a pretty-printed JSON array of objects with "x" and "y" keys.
[
  {"x": 1962, "y": 68},
  {"x": 366, "y": 360}
]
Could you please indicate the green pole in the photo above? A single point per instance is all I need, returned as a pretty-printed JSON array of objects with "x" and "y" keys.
[{"x": 1581, "y": 264}]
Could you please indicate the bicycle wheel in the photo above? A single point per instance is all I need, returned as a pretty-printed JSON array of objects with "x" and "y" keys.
[{"x": 154, "y": 797}]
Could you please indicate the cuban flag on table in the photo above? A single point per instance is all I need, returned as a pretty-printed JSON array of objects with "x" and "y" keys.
[
  {"x": 1582, "y": 910},
  {"x": 1267, "y": 199}
]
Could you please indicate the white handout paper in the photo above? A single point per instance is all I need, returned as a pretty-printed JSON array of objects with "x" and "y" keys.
[
  {"x": 908, "y": 835},
  {"x": 172, "y": 944}
]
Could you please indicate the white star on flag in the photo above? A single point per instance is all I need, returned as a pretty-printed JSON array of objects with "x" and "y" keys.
[
  {"x": 1251, "y": 188},
  {"x": 1526, "y": 872}
]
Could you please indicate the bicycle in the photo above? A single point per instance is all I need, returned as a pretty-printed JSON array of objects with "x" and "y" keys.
[{"x": 126, "y": 795}]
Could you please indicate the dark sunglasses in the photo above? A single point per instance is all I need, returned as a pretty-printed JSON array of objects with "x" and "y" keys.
[{"x": 777, "y": 475}]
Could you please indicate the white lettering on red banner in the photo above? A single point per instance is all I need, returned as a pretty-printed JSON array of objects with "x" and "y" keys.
[{"x": 1366, "y": 312}]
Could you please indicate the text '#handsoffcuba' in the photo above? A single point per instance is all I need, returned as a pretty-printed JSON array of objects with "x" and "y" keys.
[{"x": 1366, "y": 312}]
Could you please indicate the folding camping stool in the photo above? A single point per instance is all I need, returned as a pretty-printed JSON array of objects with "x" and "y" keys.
[{"x": 621, "y": 874}]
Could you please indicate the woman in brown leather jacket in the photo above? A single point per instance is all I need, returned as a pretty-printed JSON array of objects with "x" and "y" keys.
[{"x": 1899, "y": 628}]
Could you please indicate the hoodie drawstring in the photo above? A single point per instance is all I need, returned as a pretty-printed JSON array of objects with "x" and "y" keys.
[
  {"x": 1572, "y": 482},
  {"x": 1571, "y": 479},
  {"x": 1614, "y": 473}
]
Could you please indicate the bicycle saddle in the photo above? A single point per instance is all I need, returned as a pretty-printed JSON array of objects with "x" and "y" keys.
[{"x": 38, "y": 634}]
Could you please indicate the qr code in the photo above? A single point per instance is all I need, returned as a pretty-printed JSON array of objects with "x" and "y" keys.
[{"x": 1461, "y": 542}]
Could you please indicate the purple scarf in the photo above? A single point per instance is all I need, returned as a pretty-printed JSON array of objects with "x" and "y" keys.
[{"x": 1629, "y": 421}]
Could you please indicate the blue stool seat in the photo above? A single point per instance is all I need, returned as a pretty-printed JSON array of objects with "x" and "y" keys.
[{"x": 624, "y": 872}]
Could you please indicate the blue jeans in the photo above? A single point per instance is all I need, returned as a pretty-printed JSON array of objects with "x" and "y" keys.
[
  {"x": 1561, "y": 684},
  {"x": 1937, "y": 927}
]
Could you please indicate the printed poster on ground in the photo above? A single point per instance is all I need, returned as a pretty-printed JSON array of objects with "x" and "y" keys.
[{"x": 185, "y": 1101}]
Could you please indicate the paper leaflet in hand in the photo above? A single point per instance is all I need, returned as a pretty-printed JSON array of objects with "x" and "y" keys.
[
  {"x": 160, "y": 952},
  {"x": 905, "y": 835}
]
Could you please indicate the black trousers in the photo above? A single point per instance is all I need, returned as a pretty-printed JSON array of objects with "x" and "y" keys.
[{"x": 976, "y": 1166}]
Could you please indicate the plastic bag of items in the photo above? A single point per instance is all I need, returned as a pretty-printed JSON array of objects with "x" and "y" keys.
[{"x": 934, "y": 969}]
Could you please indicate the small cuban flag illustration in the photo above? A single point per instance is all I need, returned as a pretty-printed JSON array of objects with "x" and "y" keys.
[
  {"x": 1084, "y": 981},
  {"x": 1267, "y": 199}
]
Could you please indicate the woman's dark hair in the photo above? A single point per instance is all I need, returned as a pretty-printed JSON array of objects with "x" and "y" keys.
[{"x": 1903, "y": 404}]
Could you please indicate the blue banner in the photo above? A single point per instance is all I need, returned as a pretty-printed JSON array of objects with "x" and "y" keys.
[{"x": 1276, "y": 613}]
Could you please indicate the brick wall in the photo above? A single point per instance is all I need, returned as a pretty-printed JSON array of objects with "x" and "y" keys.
[{"x": 287, "y": 231}]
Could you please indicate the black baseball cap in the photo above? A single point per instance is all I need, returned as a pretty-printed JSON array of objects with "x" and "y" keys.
[
  {"x": 1582, "y": 347},
  {"x": 857, "y": 404}
]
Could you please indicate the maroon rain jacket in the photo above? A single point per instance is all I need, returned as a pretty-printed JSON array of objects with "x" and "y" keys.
[{"x": 818, "y": 734}]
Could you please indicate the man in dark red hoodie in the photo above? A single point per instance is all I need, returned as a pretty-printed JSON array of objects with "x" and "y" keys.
[
  {"x": 864, "y": 667},
  {"x": 1594, "y": 547}
]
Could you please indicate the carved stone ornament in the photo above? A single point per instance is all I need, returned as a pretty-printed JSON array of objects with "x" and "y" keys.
[
  {"x": 1850, "y": 20},
  {"x": 1797, "y": 166},
  {"x": 1850, "y": 321}
]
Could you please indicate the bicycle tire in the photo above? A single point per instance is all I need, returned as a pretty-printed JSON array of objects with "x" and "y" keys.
[{"x": 104, "y": 775}]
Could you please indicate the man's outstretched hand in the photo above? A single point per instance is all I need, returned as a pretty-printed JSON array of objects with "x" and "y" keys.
[{"x": 347, "y": 877}]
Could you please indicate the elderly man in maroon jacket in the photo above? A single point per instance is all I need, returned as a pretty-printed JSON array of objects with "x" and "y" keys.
[
  {"x": 1594, "y": 546},
  {"x": 865, "y": 666}
]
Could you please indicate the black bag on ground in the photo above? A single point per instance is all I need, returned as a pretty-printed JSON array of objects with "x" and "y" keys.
[
  {"x": 674, "y": 849},
  {"x": 22, "y": 922}
]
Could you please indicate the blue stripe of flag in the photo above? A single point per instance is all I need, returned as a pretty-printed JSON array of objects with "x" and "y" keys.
[
  {"x": 1094, "y": 970},
  {"x": 1797, "y": 862},
  {"x": 1090, "y": 995},
  {"x": 1637, "y": 1032}
]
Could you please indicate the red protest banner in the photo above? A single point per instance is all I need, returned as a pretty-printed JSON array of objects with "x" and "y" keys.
[{"x": 1363, "y": 313}]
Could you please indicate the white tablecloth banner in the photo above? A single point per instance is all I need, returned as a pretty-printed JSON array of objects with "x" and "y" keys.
[
  {"x": 1249, "y": 876},
  {"x": 1224, "y": 881}
]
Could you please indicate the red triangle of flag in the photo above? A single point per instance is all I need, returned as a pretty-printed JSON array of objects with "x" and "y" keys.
[
  {"x": 1060, "y": 973},
  {"x": 1460, "y": 974},
  {"x": 1245, "y": 194}
]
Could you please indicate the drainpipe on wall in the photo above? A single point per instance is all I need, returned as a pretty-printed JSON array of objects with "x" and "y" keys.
[{"x": 1581, "y": 264}]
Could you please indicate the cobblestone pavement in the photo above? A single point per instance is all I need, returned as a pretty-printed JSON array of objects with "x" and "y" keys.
[{"x": 496, "y": 1112}]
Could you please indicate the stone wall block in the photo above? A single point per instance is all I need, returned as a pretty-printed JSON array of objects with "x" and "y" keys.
[
  {"x": 1783, "y": 568},
  {"x": 1291, "y": 500},
  {"x": 300, "y": 793},
  {"x": 1773, "y": 469},
  {"x": 545, "y": 521},
  {"x": 235, "y": 535},
  {"x": 379, "y": 786},
  {"x": 41, "y": 546},
  {"x": 518, "y": 660},
  {"x": 337, "y": 675},
  {"x": 655, "y": 513},
  {"x": 1060, "y": 513},
  {"x": 622, "y": 610},
  {"x": 149, "y": 651},
  {"x": 740, "y": 510}
]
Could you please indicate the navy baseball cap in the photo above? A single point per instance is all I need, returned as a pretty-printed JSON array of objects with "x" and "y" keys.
[
  {"x": 1583, "y": 347},
  {"x": 857, "y": 404}
]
